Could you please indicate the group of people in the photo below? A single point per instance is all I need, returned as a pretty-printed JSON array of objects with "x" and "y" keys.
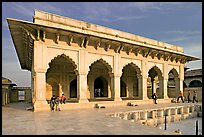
[
  {"x": 188, "y": 97},
  {"x": 56, "y": 101},
  {"x": 154, "y": 97}
]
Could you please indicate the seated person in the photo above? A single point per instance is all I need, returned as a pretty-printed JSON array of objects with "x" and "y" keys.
[{"x": 63, "y": 99}]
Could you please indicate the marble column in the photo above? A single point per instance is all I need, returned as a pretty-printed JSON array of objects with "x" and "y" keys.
[
  {"x": 165, "y": 81},
  {"x": 116, "y": 87},
  {"x": 144, "y": 80},
  {"x": 82, "y": 88},
  {"x": 40, "y": 90}
]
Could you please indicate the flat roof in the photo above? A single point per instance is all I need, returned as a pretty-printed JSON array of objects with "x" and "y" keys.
[{"x": 55, "y": 22}]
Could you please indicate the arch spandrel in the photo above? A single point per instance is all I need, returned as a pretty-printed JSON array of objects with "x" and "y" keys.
[
  {"x": 158, "y": 65},
  {"x": 138, "y": 70},
  {"x": 108, "y": 66},
  {"x": 91, "y": 58},
  {"x": 157, "y": 69},
  {"x": 125, "y": 62},
  {"x": 66, "y": 57},
  {"x": 72, "y": 56},
  {"x": 175, "y": 72},
  {"x": 170, "y": 67}
]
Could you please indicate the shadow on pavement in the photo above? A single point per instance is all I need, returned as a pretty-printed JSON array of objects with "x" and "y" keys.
[{"x": 18, "y": 105}]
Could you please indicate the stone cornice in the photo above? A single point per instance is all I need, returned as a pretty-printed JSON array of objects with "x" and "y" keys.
[
  {"x": 39, "y": 32},
  {"x": 53, "y": 20}
]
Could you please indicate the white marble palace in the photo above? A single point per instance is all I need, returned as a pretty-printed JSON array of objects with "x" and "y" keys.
[{"x": 90, "y": 63}]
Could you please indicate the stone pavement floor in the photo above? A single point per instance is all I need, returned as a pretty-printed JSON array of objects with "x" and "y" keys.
[{"x": 17, "y": 121}]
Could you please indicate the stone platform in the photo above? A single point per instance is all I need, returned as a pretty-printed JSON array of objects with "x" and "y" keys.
[{"x": 17, "y": 121}]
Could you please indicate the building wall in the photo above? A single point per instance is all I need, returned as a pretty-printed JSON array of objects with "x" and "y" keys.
[
  {"x": 82, "y": 58},
  {"x": 197, "y": 89},
  {"x": 189, "y": 79},
  {"x": 5, "y": 97},
  {"x": 14, "y": 97}
]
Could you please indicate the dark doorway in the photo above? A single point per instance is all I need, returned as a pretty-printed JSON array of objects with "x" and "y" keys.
[
  {"x": 73, "y": 89},
  {"x": 100, "y": 87},
  {"x": 122, "y": 89}
]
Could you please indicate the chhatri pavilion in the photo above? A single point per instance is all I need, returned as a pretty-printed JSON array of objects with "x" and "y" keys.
[{"x": 94, "y": 64}]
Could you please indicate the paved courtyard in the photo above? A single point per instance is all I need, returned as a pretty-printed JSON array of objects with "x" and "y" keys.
[{"x": 17, "y": 121}]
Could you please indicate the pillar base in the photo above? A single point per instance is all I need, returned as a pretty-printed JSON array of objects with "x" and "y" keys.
[
  {"x": 41, "y": 106},
  {"x": 166, "y": 97},
  {"x": 145, "y": 98},
  {"x": 83, "y": 101},
  {"x": 117, "y": 99}
]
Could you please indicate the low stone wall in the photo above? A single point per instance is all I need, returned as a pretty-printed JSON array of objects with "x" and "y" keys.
[{"x": 154, "y": 117}]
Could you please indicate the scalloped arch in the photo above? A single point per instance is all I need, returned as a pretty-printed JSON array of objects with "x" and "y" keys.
[
  {"x": 159, "y": 72},
  {"x": 174, "y": 71},
  {"x": 103, "y": 62},
  {"x": 139, "y": 72},
  {"x": 68, "y": 59}
]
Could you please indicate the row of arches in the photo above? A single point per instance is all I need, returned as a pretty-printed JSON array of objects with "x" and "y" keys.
[
  {"x": 61, "y": 77},
  {"x": 193, "y": 83}
]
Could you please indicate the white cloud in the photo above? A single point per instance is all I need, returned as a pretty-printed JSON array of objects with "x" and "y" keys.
[
  {"x": 108, "y": 12},
  {"x": 22, "y": 9},
  {"x": 116, "y": 18},
  {"x": 184, "y": 32},
  {"x": 145, "y": 6},
  {"x": 27, "y": 9},
  {"x": 149, "y": 6},
  {"x": 45, "y": 6}
]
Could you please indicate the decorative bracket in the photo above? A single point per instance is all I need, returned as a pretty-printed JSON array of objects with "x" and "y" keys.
[
  {"x": 70, "y": 39},
  {"x": 57, "y": 37},
  {"x": 98, "y": 43}
]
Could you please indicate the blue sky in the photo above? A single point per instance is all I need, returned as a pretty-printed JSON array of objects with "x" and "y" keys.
[{"x": 177, "y": 23}]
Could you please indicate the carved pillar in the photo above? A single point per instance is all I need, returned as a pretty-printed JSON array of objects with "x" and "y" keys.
[
  {"x": 109, "y": 88},
  {"x": 139, "y": 86},
  {"x": 177, "y": 85},
  {"x": 115, "y": 79},
  {"x": 60, "y": 85},
  {"x": 82, "y": 78},
  {"x": 130, "y": 87},
  {"x": 153, "y": 85},
  {"x": 39, "y": 69},
  {"x": 181, "y": 76},
  {"x": 67, "y": 94},
  {"x": 161, "y": 86},
  {"x": 165, "y": 81},
  {"x": 144, "y": 80},
  {"x": 82, "y": 88},
  {"x": 91, "y": 87},
  {"x": 40, "y": 90},
  {"x": 116, "y": 87}
]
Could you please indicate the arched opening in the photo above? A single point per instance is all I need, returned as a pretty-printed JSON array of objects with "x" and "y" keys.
[
  {"x": 195, "y": 83},
  {"x": 123, "y": 92},
  {"x": 173, "y": 84},
  {"x": 100, "y": 87},
  {"x": 155, "y": 83},
  {"x": 73, "y": 89},
  {"x": 99, "y": 80},
  {"x": 129, "y": 85},
  {"x": 61, "y": 71}
]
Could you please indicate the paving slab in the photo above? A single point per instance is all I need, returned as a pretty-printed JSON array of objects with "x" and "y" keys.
[{"x": 16, "y": 120}]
